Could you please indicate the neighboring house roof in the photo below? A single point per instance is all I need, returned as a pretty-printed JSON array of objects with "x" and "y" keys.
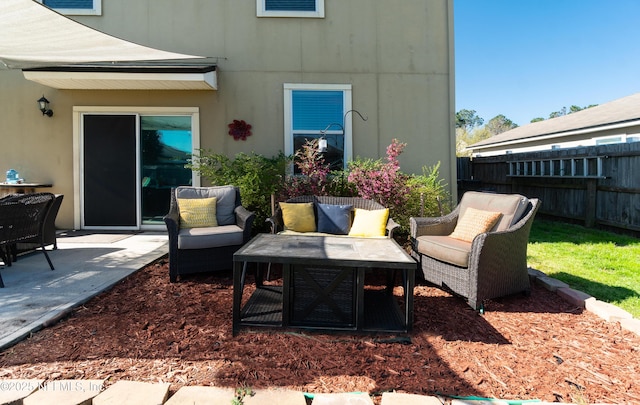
[{"x": 621, "y": 112}]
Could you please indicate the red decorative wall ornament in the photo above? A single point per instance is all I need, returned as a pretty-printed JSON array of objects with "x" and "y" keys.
[{"x": 239, "y": 129}]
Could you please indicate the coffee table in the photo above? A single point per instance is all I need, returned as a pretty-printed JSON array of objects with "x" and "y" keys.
[{"x": 323, "y": 284}]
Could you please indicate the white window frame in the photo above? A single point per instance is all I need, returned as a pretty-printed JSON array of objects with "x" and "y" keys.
[
  {"x": 288, "y": 115},
  {"x": 262, "y": 12},
  {"x": 96, "y": 10}
]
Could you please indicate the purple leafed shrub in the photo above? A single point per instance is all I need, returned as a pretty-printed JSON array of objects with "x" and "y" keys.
[{"x": 382, "y": 181}]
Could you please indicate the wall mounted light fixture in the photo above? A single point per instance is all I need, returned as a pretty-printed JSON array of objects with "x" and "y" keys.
[{"x": 43, "y": 106}]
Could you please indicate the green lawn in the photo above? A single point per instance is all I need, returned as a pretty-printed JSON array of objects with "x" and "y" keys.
[{"x": 602, "y": 264}]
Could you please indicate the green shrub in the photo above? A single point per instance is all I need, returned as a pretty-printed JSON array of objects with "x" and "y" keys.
[
  {"x": 258, "y": 177},
  {"x": 427, "y": 197}
]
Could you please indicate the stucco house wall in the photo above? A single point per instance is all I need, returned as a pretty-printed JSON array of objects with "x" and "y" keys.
[{"x": 397, "y": 56}]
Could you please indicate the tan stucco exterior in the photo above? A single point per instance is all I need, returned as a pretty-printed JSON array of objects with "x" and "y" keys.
[{"x": 397, "y": 56}]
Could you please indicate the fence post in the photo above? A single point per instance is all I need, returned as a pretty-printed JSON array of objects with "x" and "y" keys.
[{"x": 590, "y": 209}]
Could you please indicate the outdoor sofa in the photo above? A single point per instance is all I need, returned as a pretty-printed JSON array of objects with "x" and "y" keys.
[
  {"x": 479, "y": 250},
  {"x": 328, "y": 215}
]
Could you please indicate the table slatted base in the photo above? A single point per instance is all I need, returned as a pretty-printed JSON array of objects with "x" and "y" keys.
[
  {"x": 264, "y": 307},
  {"x": 383, "y": 313}
]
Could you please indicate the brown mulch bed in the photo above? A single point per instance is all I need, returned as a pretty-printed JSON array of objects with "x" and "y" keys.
[{"x": 147, "y": 329}]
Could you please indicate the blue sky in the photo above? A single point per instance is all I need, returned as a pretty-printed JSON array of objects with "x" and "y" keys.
[{"x": 528, "y": 58}]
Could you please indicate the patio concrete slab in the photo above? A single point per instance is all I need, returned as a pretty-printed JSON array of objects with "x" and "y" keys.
[{"x": 35, "y": 296}]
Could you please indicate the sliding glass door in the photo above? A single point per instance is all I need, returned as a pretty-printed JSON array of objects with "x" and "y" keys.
[
  {"x": 166, "y": 145},
  {"x": 129, "y": 161}
]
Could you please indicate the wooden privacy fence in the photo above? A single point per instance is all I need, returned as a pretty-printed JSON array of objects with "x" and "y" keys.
[{"x": 596, "y": 185}]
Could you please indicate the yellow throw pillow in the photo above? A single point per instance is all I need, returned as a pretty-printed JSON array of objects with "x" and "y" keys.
[
  {"x": 298, "y": 217},
  {"x": 368, "y": 223},
  {"x": 473, "y": 223},
  {"x": 197, "y": 212}
]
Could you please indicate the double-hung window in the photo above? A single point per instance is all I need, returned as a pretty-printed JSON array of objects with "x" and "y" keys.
[
  {"x": 319, "y": 112},
  {"x": 75, "y": 7},
  {"x": 290, "y": 8}
]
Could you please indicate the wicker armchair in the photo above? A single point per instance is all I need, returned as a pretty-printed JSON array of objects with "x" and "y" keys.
[
  {"x": 493, "y": 264},
  {"x": 203, "y": 249},
  {"x": 22, "y": 218},
  {"x": 49, "y": 232},
  {"x": 277, "y": 224}
]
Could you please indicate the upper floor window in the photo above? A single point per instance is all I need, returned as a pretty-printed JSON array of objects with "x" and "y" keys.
[
  {"x": 319, "y": 112},
  {"x": 290, "y": 8},
  {"x": 75, "y": 7}
]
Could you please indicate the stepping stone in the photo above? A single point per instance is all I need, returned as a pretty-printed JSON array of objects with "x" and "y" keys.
[
  {"x": 13, "y": 391},
  {"x": 275, "y": 396},
  {"x": 395, "y": 398},
  {"x": 342, "y": 399},
  {"x": 65, "y": 392},
  {"x": 202, "y": 396},
  {"x": 478, "y": 402},
  {"x": 133, "y": 393}
]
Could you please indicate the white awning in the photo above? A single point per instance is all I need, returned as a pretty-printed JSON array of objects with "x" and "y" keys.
[
  {"x": 36, "y": 38},
  {"x": 153, "y": 76}
]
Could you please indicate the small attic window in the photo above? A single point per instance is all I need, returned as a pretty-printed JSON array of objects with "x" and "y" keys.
[
  {"x": 290, "y": 8},
  {"x": 75, "y": 7}
]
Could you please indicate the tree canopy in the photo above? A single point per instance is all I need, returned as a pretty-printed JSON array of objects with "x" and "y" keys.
[
  {"x": 564, "y": 111},
  {"x": 468, "y": 119},
  {"x": 469, "y": 129}
]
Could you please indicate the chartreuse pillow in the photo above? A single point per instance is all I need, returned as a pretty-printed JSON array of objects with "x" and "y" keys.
[
  {"x": 197, "y": 212},
  {"x": 368, "y": 223},
  {"x": 473, "y": 223},
  {"x": 334, "y": 219},
  {"x": 298, "y": 217}
]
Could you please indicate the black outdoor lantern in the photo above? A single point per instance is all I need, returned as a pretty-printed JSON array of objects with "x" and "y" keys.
[{"x": 43, "y": 105}]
